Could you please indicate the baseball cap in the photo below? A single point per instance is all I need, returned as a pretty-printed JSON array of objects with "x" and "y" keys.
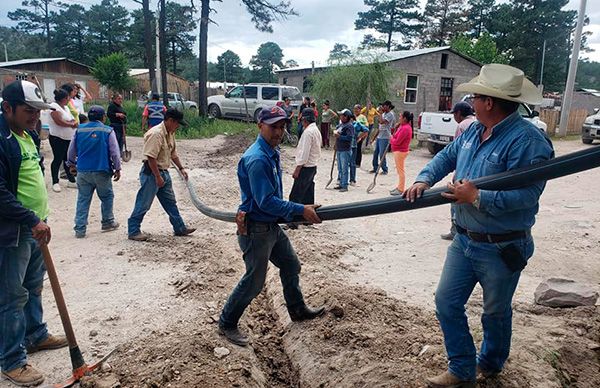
[
  {"x": 346, "y": 112},
  {"x": 463, "y": 107},
  {"x": 25, "y": 92},
  {"x": 271, "y": 115},
  {"x": 96, "y": 112},
  {"x": 176, "y": 115},
  {"x": 309, "y": 115}
]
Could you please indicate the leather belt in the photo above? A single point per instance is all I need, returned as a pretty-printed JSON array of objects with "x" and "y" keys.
[{"x": 492, "y": 238}]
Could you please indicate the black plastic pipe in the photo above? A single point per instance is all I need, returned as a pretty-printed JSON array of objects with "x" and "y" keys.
[{"x": 509, "y": 180}]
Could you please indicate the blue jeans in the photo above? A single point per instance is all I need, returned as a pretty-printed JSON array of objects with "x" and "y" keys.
[
  {"x": 380, "y": 146},
  {"x": 87, "y": 182},
  {"x": 21, "y": 315},
  {"x": 143, "y": 202},
  {"x": 344, "y": 166},
  {"x": 300, "y": 130},
  {"x": 264, "y": 243},
  {"x": 468, "y": 263},
  {"x": 353, "y": 164}
]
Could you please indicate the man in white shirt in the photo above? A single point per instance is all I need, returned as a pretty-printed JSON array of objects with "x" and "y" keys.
[{"x": 307, "y": 156}]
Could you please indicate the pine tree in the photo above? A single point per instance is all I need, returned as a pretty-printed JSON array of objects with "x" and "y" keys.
[{"x": 443, "y": 19}]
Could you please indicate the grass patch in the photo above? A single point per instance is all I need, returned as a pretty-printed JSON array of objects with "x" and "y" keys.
[{"x": 199, "y": 127}]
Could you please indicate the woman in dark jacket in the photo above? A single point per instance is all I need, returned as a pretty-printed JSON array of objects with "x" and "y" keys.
[{"x": 118, "y": 118}]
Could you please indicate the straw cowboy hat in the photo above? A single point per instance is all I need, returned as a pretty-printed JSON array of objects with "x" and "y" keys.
[{"x": 505, "y": 82}]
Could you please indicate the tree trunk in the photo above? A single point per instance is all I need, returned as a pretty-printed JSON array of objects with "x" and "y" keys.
[
  {"x": 391, "y": 31},
  {"x": 47, "y": 22},
  {"x": 202, "y": 60},
  {"x": 163, "y": 51},
  {"x": 148, "y": 42}
]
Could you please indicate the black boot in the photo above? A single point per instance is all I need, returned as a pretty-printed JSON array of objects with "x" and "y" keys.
[
  {"x": 303, "y": 312},
  {"x": 234, "y": 335}
]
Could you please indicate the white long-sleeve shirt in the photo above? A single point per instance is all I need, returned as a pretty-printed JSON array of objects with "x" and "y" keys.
[{"x": 308, "y": 151}]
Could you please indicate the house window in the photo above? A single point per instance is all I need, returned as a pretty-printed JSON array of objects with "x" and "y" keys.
[
  {"x": 410, "y": 90},
  {"x": 444, "y": 64},
  {"x": 306, "y": 84},
  {"x": 285, "y": 80},
  {"x": 446, "y": 94}
]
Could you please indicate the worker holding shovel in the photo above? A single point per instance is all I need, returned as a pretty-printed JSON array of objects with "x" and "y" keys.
[{"x": 23, "y": 211}]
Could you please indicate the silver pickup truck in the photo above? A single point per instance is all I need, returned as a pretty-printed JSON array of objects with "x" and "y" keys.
[
  {"x": 591, "y": 128},
  {"x": 437, "y": 129},
  {"x": 176, "y": 100}
]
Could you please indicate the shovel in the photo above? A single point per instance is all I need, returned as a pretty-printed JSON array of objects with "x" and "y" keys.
[
  {"x": 80, "y": 368},
  {"x": 125, "y": 154},
  {"x": 372, "y": 185},
  {"x": 332, "y": 167}
]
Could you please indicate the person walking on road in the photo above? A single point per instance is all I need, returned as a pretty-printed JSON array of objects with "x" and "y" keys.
[
  {"x": 23, "y": 213},
  {"x": 464, "y": 116},
  {"x": 94, "y": 154},
  {"x": 159, "y": 151},
  {"x": 308, "y": 153},
  {"x": 387, "y": 119},
  {"x": 400, "y": 147},
  {"x": 494, "y": 239},
  {"x": 62, "y": 125},
  {"x": 154, "y": 113},
  {"x": 260, "y": 237}
]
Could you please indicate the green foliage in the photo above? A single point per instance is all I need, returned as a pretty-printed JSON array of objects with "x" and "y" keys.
[
  {"x": 264, "y": 13},
  {"x": 588, "y": 75},
  {"x": 340, "y": 53},
  {"x": 179, "y": 33},
  {"x": 268, "y": 55},
  {"x": 479, "y": 16},
  {"x": 483, "y": 50},
  {"x": 290, "y": 63},
  {"x": 391, "y": 17},
  {"x": 22, "y": 44},
  {"x": 37, "y": 15},
  {"x": 136, "y": 52},
  {"x": 229, "y": 67},
  {"x": 371, "y": 42},
  {"x": 346, "y": 85},
  {"x": 108, "y": 27},
  {"x": 113, "y": 71},
  {"x": 71, "y": 33},
  {"x": 444, "y": 19}
]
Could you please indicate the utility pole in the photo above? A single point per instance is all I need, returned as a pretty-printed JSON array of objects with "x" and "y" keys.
[
  {"x": 163, "y": 51},
  {"x": 568, "y": 95},
  {"x": 542, "y": 67},
  {"x": 5, "y": 53}
]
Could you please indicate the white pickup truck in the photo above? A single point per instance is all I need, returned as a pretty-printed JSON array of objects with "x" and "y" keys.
[
  {"x": 437, "y": 129},
  {"x": 176, "y": 100}
]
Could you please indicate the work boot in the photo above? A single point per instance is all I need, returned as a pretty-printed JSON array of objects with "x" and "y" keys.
[
  {"x": 448, "y": 380},
  {"x": 234, "y": 335},
  {"x": 448, "y": 236},
  {"x": 24, "y": 376},
  {"x": 185, "y": 232},
  {"x": 485, "y": 374},
  {"x": 138, "y": 237},
  {"x": 51, "y": 342},
  {"x": 303, "y": 312},
  {"x": 110, "y": 227}
]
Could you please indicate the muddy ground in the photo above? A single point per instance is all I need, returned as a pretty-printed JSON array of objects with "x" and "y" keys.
[{"x": 157, "y": 302}]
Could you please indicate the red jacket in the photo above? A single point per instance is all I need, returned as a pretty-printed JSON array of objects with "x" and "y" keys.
[{"x": 401, "y": 139}]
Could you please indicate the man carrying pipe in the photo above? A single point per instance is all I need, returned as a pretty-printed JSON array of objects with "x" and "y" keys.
[
  {"x": 260, "y": 237},
  {"x": 494, "y": 239},
  {"x": 23, "y": 213}
]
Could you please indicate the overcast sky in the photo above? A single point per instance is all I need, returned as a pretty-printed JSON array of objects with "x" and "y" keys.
[{"x": 305, "y": 38}]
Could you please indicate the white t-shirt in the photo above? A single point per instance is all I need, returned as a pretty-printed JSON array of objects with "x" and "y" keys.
[
  {"x": 78, "y": 104},
  {"x": 65, "y": 133}
]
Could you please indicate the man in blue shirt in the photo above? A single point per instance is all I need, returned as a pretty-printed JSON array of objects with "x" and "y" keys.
[
  {"x": 344, "y": 134},
  {"x": 259, "y": 235},
  {"x": 94, "y": 154},
  {"x": 154, "y": 113},
  {"x": 494, "y": 239}
]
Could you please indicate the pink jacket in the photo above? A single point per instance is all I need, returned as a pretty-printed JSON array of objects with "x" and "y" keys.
[{"x": 401, "y": 139}]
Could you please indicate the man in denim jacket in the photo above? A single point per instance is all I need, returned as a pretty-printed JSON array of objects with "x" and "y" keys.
[{"x": 494, "y": 239}]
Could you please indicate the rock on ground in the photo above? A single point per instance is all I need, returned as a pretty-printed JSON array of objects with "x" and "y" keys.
[{"x": 557, "y": 292}]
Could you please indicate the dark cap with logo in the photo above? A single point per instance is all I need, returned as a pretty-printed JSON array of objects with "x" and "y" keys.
[
  {"x": 96, "y": 113},
  {"x": 346, "y": 112},
  {"x": 177, "y": 115},
  {"x": 25, "y": 92},
  {"x": 463, "y": 107},
  {"x": 271, "y": 115}
]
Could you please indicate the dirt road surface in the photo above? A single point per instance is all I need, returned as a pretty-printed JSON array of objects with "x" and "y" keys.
[{"x": 157, "y": 302}]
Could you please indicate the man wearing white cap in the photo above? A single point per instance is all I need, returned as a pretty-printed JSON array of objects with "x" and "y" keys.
[
  {"x": 494, "y": 239},
  {"x": 23, "y": 213}
]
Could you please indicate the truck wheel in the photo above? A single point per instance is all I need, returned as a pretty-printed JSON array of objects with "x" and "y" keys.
[
  {"x": 587, "y": 140},
  {"x": 434, "y": 148},
  {"x": 214, "y": 111}
]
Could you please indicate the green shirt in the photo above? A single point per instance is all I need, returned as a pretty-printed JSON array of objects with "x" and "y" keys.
[
  {"x": 327, "y": 116},
  {"x": 31, "y": 189}
]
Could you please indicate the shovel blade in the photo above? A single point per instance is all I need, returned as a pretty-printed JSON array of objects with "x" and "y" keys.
[{"x": 126, "y": 156}]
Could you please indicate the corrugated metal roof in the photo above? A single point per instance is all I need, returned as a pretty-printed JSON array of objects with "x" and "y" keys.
[
  {"x": 30, "y": 61},
  {"x": 134, "y": 72},
  {"x": 388, "y": 57},
  {"x": 593, "y": 92}
]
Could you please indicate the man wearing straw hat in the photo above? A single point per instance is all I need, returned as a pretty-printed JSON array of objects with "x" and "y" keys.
[{"x": 494, "y": 239}]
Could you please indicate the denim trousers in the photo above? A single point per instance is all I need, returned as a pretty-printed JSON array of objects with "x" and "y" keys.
[
  {"x": 263, "y": 243},
  {"x": 344, "y": 166},
  {"x": 145, "y": 197},
  {"x": 21, "y": 315},
  {"x": 353, "y": 164},
  {"x": 87, "y": 182},
  {"x": 468, "y": 263},
  {"x": 380, "y": 146}
]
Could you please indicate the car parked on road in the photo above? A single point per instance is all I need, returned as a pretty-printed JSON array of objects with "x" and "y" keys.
[
  {"x": 437, "y": 129},
  {"x": 591, "y": 128},
  {"x": 176, "y": 100},
  {"x": 257, "y": 96}
]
